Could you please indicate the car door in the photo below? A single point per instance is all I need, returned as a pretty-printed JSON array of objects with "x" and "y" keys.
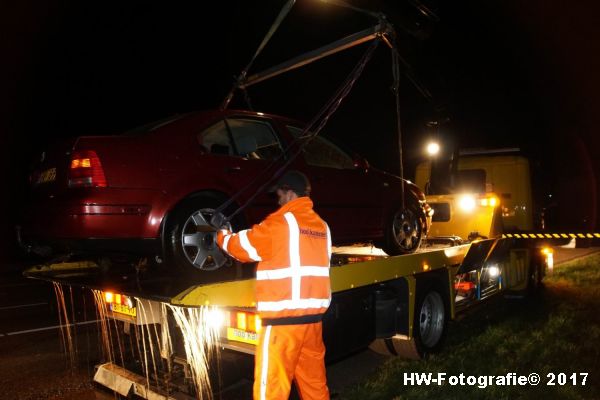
[
  {"x": 250, "y": 144},
  {"x": 347, "y": 196}
]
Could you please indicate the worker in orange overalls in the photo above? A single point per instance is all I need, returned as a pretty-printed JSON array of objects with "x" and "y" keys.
[{"x": 293, "y": 248}]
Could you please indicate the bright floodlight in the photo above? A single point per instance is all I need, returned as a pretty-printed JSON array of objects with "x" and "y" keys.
[
  {"x": 494, "y": 271},
  {"x": 214, "y": 318},
  {"x": 433, "y": 148},
  {"x": 467, "y": 203}
]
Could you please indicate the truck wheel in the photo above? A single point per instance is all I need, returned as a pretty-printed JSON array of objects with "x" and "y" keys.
[
  {"x": 404, "y": 232},
  {"x": 191, "y": 241},
  {"x": 431, "y": 320},
  {"x": 534, "y": 283},
  {"x": 429, "y": 328}
]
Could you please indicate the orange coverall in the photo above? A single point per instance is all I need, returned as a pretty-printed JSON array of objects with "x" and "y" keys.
[{"x": 293, "y": 248}]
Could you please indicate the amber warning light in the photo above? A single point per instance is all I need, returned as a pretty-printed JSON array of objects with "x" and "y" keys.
[
  {"x": 548, "y": 253},
  {"x": 245, "y": 321},
  {"x": 243, "y": 327}
]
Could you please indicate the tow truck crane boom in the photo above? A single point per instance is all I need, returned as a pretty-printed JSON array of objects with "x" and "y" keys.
[{"x": 381, "y": 30}]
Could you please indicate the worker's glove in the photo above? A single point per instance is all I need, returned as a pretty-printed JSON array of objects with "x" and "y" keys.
[{"x": 219, "y": 221}]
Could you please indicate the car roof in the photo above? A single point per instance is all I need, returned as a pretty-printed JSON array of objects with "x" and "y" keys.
[{"x": 206, "y": 115}]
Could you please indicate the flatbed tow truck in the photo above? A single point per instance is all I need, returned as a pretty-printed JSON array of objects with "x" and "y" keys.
[{"x": 173, "y": 331}]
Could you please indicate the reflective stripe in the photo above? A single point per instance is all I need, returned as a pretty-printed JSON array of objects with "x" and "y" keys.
[
  {"x": 226, "y": 242},
  {"x": 294, "y": 253},
  {"x": 328, "y": 242},
  {"x": 288, "y": 272},
  {"x": 265, "y": 364},
  {"x": 292, "y": 304},
  {"x": 245, "y": 243}
]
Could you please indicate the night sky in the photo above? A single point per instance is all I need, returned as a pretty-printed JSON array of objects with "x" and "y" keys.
[{"x": 501, "y": 73}]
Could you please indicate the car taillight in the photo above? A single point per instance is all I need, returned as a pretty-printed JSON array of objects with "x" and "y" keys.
[{"x": 86, "y": 170}]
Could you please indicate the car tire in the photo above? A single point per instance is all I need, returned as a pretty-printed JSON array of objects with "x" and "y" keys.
[
  {"x": 404, "y": 231},
  {"x": 191, "y": 242}
]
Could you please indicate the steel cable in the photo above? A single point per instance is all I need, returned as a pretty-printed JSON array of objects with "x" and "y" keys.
[
  {"x": 308, "y": 134},
  {"x": 242, "y": 77}
]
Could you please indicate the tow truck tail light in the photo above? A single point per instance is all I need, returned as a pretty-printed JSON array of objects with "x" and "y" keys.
[
  {"x": 245, "y": 321},
  {"x": 257, "y": 324},
  {"x": 241, "y": 321},
  {"x": 86, "y": 170},
  {"x": 108, "y": 297}
]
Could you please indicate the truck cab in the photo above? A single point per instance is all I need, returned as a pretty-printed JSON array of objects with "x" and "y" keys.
[{"x": 478, "y": 193}]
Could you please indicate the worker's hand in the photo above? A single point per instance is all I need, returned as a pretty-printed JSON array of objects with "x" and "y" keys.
[{"x": 219, "y": 221}]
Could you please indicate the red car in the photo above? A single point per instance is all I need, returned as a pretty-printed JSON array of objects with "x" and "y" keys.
[{"x": 151, "y": 191}]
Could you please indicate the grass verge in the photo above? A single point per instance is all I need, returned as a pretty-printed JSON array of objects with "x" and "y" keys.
[{"x": 557, "y": 330}]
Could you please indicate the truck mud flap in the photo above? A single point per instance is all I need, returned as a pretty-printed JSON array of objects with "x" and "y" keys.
[{"x": 399, "y": 346}]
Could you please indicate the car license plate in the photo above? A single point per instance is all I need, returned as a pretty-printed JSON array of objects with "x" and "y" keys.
[
  {"x": 48, "y": 175},
  {"x": 239, "y": 335},
  {"x": 123, "y": 309}
]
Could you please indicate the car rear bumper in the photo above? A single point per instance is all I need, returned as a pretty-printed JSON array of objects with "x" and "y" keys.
[
  {"x": 93, "y": 213},
  {"x": 90, "y": 227},
  {"x": 46, "y": 247},
  {"x": 91, "y": 220}
]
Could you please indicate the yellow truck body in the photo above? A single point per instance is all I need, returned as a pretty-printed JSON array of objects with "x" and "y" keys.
[{"x": 504, "y": 177}]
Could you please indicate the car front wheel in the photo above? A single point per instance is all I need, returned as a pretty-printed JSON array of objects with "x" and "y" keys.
[{"x": 404, "y": 232}]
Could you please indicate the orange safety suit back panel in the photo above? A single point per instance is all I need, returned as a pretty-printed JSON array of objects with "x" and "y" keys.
[{"x": 293, "y": 249}]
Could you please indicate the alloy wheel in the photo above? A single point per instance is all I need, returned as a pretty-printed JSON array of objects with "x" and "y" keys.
[
  {"x": 406, "y": 229},
  {"x": 199, "y": 242}
]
